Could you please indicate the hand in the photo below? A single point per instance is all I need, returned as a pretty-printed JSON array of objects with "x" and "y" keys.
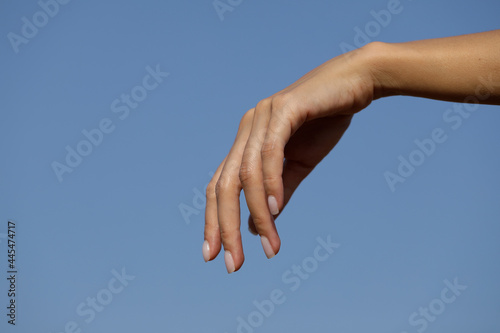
[
  {"x": 279, "y": 142},
  {"x": 286, "y": 135}
]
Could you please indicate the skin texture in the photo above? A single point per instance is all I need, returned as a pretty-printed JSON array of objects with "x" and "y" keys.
[{"x": 282, "y": 139}]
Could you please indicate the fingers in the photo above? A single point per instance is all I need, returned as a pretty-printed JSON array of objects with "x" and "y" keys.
[
  {"x": 222, "y": 224},
  {"x": 252, "y": 180},
  {"x": 278, "y": 131},
  {"x": 212, "y": 243},
  {"x": 228, "y": 190},
  {"x": 293, "y": 174},
  {"x": 254, "y": 164},
  {"x": 272, "y": 155},
  {"x": 303, "y": 151}
]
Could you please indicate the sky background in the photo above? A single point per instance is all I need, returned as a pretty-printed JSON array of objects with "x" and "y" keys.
[{"x": 120, "y": 208}]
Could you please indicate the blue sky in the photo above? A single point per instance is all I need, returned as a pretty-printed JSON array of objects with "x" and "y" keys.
[{"x": 160, "y": 86}]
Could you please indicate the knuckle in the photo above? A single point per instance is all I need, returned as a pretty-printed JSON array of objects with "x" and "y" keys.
[
  {"x": 226, "y": 184},
  {"x": 210, "y": 191},
  {"x": 260, "y": 222},
  {"x": 228, "y": 235},
  {"x": 281, "y": 101},
  {"x": 264, "y": 104},
  {"x": 246, "y": 173},
  {"x": 271, "y": 182},
  {"x": 288, "y": 109},
  {"x": 273, "y": 145},
  {"x": 220, "y": 186},
  {"x": 247, "y": 118},
  {"x": 268, "y": 149}
]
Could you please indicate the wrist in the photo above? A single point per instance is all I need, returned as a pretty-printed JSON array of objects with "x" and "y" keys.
[{"x": 382, "y": 61}]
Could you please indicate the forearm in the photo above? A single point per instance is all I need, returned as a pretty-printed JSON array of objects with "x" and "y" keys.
[{"x": 462, "y": 68}]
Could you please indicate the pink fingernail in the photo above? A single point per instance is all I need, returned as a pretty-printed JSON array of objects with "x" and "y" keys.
[
  {"x": 268, "y": 250},
  {"x": 206, "y": 251},
  {"x": 228, "y": 258},
  {"x": 273, "y": 205}
]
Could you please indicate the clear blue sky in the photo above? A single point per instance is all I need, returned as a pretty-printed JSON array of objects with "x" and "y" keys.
[{"x": 100, "y": 68}]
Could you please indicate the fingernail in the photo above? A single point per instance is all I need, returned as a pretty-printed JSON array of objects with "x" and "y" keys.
[
  {"x": 206, "y": 251},
  {"x": 228, "y": 258},
  {"x": 273, "y": 205},
  {"x": 267, "y": 247}
]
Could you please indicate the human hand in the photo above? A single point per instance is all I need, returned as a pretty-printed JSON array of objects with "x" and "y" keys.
[
  {"x": 279, "y": 142},
  {"x": 286, "y": 135}
]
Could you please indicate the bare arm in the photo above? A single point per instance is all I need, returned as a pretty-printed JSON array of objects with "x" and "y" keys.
[{"x": 450, "y": 69}]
